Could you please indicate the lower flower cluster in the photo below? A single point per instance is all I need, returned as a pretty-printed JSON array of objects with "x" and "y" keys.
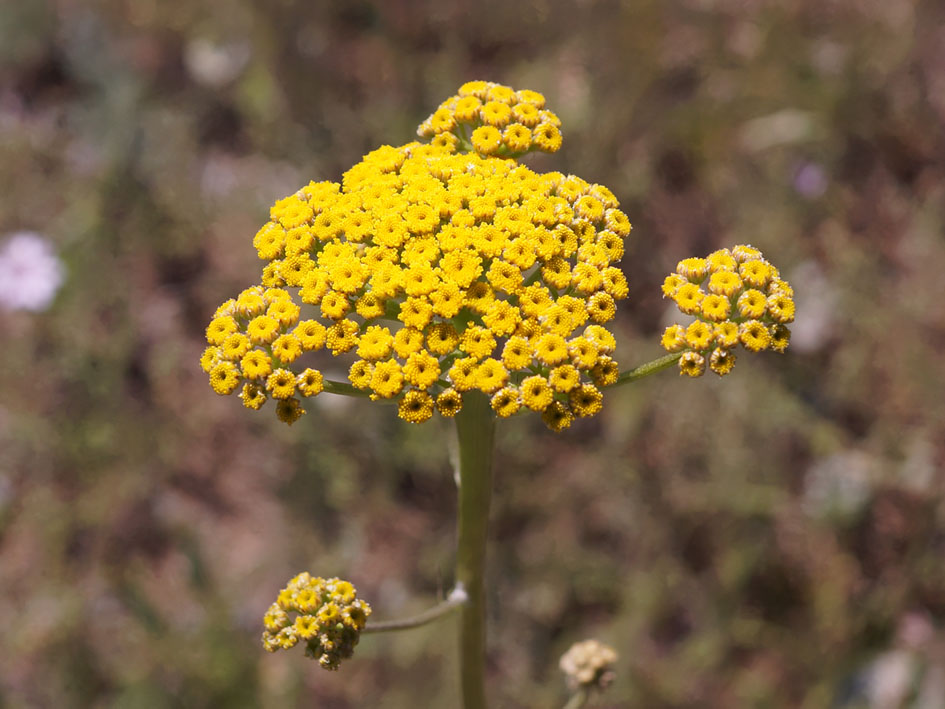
[
  {"x": 736, "y": 298},
  {"x": 324, "y": 614}
]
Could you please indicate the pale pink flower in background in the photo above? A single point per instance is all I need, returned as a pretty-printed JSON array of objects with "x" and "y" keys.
[
  {"x": 810, "y": 180},
  {"x": 30, "y": 272}
]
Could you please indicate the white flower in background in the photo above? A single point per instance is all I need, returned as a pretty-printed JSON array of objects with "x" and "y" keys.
[
  {"x": 215, "y": 65},
  {"x": 30, "y": 272}
]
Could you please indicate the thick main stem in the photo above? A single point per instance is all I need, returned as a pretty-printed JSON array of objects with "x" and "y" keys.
[{"x": 475, "y": 428}]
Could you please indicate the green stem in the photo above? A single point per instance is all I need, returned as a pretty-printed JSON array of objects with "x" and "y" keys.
[
  {"x": 645, "y": 370},
  {"x": 578, "y": 699},
  {"x": 343, "y": 388},
  {"x": 456, "y": 598},
  {"x": 475, "y": 428}
]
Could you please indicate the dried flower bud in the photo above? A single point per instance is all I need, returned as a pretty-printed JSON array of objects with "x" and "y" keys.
[{"x": 588, "y": 664}]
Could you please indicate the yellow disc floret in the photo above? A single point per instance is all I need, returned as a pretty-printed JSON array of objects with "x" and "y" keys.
[
  {"x": 415, "y": 406},
  {"x": 224, "y": 378}
]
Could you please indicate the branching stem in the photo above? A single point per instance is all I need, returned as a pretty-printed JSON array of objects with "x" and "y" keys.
[
  {"x": 344, "y": 389},
  {"x": 456, "y": 598},
  {"x": 645, "y": 370}
]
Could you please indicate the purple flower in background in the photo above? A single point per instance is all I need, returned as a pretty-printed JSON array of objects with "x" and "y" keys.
[
  {"x": 30, "y": 272},
  {"x": 810, "y": 180}
]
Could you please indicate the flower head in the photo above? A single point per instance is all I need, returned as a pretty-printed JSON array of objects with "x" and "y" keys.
[
  {"x": 736, "y": 298},
  {"x": 442, "y": 268},
  {"x": 30, "y": 272},
  {"x": 324, "y": 614}
]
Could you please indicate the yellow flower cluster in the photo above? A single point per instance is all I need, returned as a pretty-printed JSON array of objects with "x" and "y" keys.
[
  {"x": 493, "y": 119},
  {"x": 736, "y": 297},
  {"x": 441, "y": 272},
  {"x": 325, "y": 614}
]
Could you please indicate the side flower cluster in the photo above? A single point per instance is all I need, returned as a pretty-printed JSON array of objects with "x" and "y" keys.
[
  {"x": 441, "y": 272},
  {"x": 493, "y": 119},
  {"x": 736, "y": 297},
  {"x": 324, "y": 614}
]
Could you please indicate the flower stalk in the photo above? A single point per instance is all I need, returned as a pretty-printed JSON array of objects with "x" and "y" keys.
[
  {"x": 456, "y": 598},
  {"x": 475, "y": 428},
  {"x": 645, "y": 370},
  {"x": 578, "y": 699}
]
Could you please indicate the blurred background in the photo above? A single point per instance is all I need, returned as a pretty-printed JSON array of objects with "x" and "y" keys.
[{"x": 773, "y": 539}]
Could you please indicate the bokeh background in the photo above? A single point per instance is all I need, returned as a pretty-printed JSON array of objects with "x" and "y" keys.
[{"x": 773, "y": 539}]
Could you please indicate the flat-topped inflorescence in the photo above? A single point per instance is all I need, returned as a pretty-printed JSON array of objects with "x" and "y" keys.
[
  {"x": 736, "y": 298},
  {"x": 437, "y": 270}
]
